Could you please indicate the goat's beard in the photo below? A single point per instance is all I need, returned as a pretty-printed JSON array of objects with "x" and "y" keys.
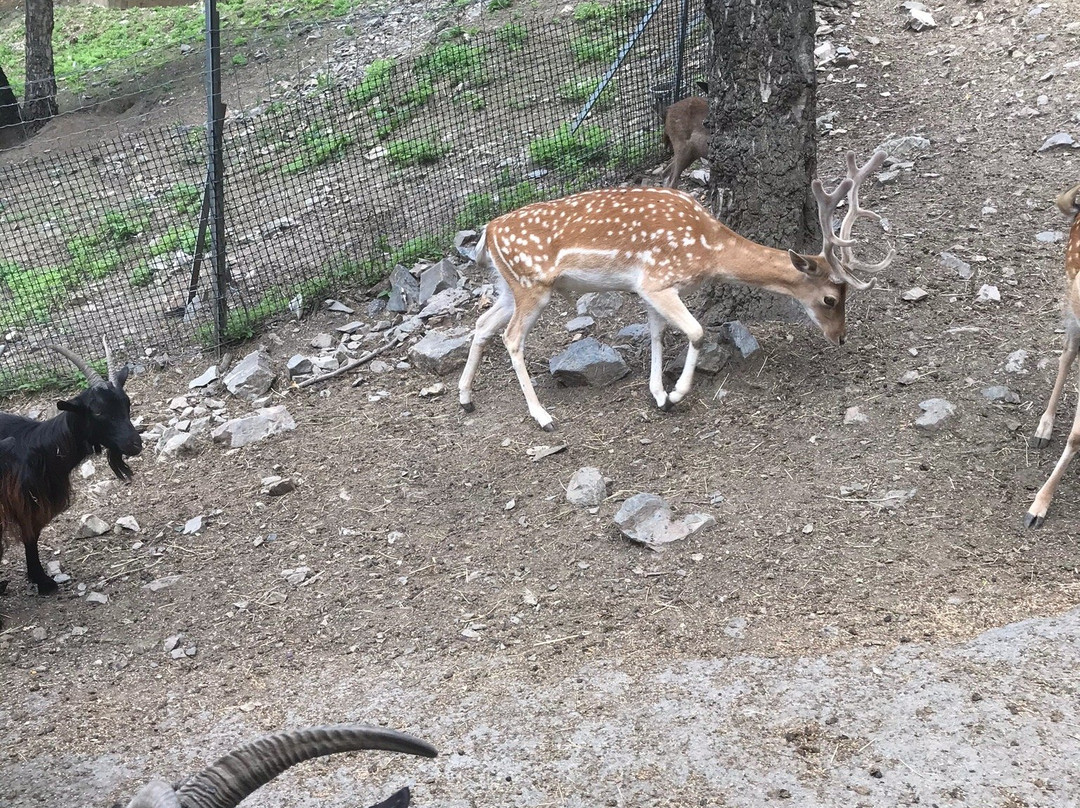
[{"x": 121, "y": 469}]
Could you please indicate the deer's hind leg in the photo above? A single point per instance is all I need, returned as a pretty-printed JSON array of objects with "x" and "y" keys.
[{"x": 1041, "y": 438}]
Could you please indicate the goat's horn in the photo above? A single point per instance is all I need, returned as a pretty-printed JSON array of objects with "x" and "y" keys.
[
  {"x": 157, "y": 794},
  {"x": 93, "y": 378},
  {"x": 108, "y": 361},
  {"x": 225, "y": 783}
]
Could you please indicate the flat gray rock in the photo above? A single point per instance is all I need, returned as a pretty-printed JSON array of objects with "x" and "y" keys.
[
  {"x": 588, "y": 362},
  {"x": 935, "y": 412},
  {"x": 441, "y": 352},
  {"x": 251, "y": 377},
  {"x": 255, "y": 427},
  {"x": 587, "y": 487}
]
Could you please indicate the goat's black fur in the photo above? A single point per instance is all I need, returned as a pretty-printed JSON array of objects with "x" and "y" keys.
[{"x": 37, "y": 458}]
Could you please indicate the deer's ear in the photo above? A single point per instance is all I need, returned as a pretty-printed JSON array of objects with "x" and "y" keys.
[{"x": 803, "y": 264}]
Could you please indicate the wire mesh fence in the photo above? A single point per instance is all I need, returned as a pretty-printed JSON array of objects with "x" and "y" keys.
[{"x": 334, "y": 178}]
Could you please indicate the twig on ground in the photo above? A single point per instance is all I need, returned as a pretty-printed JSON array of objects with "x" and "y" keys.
[{"x": 350, "y": 365}]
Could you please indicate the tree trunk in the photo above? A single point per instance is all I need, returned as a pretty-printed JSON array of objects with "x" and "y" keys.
[
  {"x": 40, "y": 103},
  {"x": 762, "y": 93},
  {"x": 10, "y": 117}
]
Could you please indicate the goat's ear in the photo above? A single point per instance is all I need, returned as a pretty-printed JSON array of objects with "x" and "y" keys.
[
  {"x": 69, "y": 406},
  {"x": 122, "y": 377}
]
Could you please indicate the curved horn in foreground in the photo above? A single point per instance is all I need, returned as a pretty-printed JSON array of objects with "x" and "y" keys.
[
  {"x": 93, "y": 378},
  {"x": 1069, "y": 201},
  {"x": 225, "y": 783},
  {"x": 156, "y": 794}
]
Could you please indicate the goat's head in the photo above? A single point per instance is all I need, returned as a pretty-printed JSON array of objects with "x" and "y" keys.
[
  {"x": 228, "y": 781},
  {"x": 103, "y": 412}
]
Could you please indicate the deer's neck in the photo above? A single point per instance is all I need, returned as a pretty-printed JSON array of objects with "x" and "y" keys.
[{"x": 743, "y": 261}]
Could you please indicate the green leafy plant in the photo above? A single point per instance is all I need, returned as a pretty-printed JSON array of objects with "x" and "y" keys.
[
  {"x": 141, "y": 275},
  {"x": 454, "y": 62},
  {"x": 120, "y": 227},
  {"x": 35, "y": 293},
  {"x": 481, "y": 208},
  {"x": 595, "y": 49},
  {"x": 173, "y": 239},
  {"x": 499, "y": 5},
  {"x": 377, "y": 80},
  {"x": 513, "y": 35},
  {"x": 91, "y": 257},
  {"x": 568, "y": 151},
  {"x": 416, "y": 152},
  {"x": 185, "y": 197},
  {"x": 318, "y": 145},
  {"x": 429, "y": 247}
]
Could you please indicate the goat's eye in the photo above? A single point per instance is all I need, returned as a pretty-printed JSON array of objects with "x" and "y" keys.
[{"x": 829, "y": 301}]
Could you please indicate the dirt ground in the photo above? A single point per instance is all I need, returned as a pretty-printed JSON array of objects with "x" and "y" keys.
[{"x": 810, "y": 647}]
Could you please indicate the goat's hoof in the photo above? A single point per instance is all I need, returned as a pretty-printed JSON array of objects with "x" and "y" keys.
[
  {"x": 1031, "y": 520},
  {"x": 1038, "y": 443},
  {"x": 468, "y": 406},
  {"x": 46, "y": 587}
]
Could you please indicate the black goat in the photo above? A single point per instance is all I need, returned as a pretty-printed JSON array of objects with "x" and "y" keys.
[{"x": 37, "y": 458}]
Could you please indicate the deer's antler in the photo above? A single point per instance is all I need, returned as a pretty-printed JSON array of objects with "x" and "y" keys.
[{"x": 836, "y": 247}]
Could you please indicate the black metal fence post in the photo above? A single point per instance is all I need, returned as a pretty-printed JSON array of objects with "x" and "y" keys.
[
  {"x": 680, "y": 47},
  {"x": 215, "y": 120}
]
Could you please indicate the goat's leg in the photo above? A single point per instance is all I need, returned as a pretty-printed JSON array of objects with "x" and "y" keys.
[
  {"x": 34, "y": 571},
  {"x": 487, "y": 325},
  {"x": 1068, "y": 355},
  {"x": 669, "y": 305},
  {"x": 1036, "y": 514},
  {"x": 527, "y": 310},
  {"x": 3, "y": 584}
]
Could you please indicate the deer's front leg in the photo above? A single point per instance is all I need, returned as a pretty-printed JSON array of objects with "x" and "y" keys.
[
  {"x": 657, "y": 324},
  {"x": 1068, "y": 356}
]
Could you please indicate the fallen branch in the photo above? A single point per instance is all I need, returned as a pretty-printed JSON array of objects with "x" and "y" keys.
[{"x": 350, "y": 365}]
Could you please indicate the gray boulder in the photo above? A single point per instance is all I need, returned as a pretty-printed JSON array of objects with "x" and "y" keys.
[
  {"x": 436, "y": 278},
  {"x": 588, "y": 362},
  {"x": 404, "y": 291},
  {"x": 251, "y": 377},
  {"x": 256, "y": 427},
  {"x": 441, "y": 352}
]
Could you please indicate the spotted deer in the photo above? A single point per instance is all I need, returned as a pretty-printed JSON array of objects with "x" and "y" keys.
[
  {"x": 1069, "y": 204},
  {"x": 655, "y": 242},
  {"x": 686, "y": 135}
]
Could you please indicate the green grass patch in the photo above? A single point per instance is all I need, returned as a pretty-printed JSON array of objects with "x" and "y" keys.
[
  {"x": 499, "y": 5},
  {"x": 580, "y": 90},
  {"x": 481, "y": 208},
  {"x": 184, "y": 197},
  {"x": 318, "y": 145},
  {"x": 417, "y": 152},
  {"x": 454, "y": 62},
  {"x": 141, "y": 275},
  {"x": 34, "y": 293},
  {"x": 173, "y": 239},
  {"x": 595, "y": 48},
  {"x": 388, "y": 103},
  {"x": 430, "y": 247},
  {"x": 513, "y": 35},
  {"x": 569, "y": 152},
  {"x": 89, "y": 38}
]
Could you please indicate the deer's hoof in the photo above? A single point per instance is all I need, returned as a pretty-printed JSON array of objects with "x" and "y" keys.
[
  {"x": 548, "y": 427},
  {"x": 468, "y": 406},
  {"x": 1038, "y": 443},
  {"x": 667, "y": 406},
  {"x": 1031, "y": 520}
]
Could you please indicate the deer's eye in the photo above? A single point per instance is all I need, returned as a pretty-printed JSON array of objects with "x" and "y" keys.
[{"x": 829, "y": 301}]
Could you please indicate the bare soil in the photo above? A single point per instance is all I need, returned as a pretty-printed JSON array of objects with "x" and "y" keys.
[{"x": 790, "y": 652}]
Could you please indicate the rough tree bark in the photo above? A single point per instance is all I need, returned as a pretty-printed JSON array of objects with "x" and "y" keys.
[
  {"x": 40, "y": 100},
  {"x": 762, "y": 151},
  {"x": 10, "y": 117}
]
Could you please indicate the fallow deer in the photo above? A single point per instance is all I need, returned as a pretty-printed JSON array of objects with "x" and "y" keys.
[
  {"x": 686, "y": 135},
  {"x": 1069, "y": 204},
  {"x": 655, "y": 242}
]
